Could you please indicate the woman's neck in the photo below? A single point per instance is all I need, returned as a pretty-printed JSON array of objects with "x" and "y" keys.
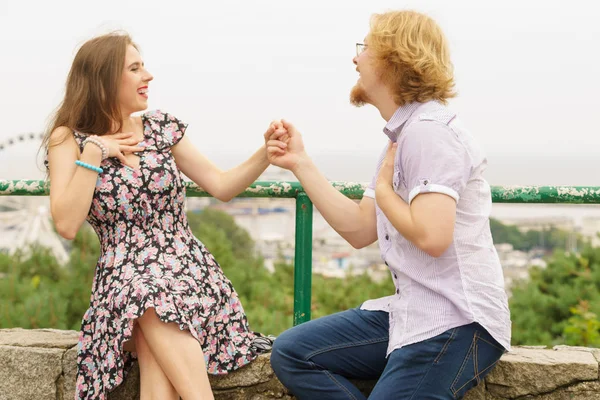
[{"x": 129, "y": 124}]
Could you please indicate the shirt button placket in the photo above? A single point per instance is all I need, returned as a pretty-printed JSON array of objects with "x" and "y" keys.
[{"x": 388, "y": 244}]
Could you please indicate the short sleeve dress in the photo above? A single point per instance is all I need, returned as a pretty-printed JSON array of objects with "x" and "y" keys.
[{"x": 150, "y": 259}]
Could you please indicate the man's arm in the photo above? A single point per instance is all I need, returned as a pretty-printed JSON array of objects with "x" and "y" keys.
[
  {"x": 436, "y": 167},
  {"x": 354, "y": 222}
]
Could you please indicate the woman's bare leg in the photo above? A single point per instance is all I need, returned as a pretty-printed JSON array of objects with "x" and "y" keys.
[
  {"x": 179, "y": 356},
  {"x": 154, "y": 384}
]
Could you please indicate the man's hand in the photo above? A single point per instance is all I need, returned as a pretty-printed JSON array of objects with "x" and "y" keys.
[{"x": 285, "y": 148}]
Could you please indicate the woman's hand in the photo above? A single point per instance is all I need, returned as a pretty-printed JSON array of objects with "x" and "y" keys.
[{"x": 120, "y": 144}]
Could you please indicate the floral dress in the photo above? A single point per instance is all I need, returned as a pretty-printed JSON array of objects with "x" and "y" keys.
[{"x": 150, "y": 259}]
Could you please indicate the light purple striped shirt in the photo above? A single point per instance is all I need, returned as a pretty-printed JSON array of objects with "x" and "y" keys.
[{"x": 465, "y": 284}]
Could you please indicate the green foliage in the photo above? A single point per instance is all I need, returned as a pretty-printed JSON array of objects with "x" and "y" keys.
[
  {"x": 547, "y": 239},
  {"x": 35, "y": 292},
  {"x": 559, "y": 304},
  {"x": 268, "y": 298},
  {"x": 583, "y": 327}
]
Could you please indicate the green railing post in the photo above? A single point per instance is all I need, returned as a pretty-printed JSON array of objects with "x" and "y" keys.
[{"x": 303, "y": 259}]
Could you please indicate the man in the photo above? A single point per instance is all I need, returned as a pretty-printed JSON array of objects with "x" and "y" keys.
[{"x": 448, "y": 323}]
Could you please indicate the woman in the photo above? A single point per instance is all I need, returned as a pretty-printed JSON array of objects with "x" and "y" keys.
[{"x": 158, "y": 295}]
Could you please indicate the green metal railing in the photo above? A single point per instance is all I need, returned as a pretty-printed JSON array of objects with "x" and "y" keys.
[{"x": 304, "y": 213}]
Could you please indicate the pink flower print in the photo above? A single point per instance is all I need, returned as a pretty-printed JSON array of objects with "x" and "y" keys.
[
  {"x": 155, "y": 269},
  {"x": 177, "y": 266},
  {"x": 169, "y": 262},
  {"x": 223, "y": 356},
  {"x": 179, "y": 245},
  {"x": 131, "y": 312},
  {"x": 120, "y": 232},
  {"x": 210, "y": 261},
  {"x": 212, "y": 368},
  {"x": 86, "y": 340},
  {"x": 125, "y": 195},
  {"x": 170, "y": 132},
  {"x": 128, "y": 271},
  {"x": 89, "y": 364},
  {"x": 110, "y": 202},
  {"x": 120, "y": 252},
  {"x": 162, "y": 203},
  {"x": 103, "y": 348},
  {"x": 160, "y": 181},
  {"x": 208, "y": 302},
  {"x": 167, "y": 222},
  {"x": 139, "y": 237},
  {"x": 81, "y": 386},
  {"x": 152, "y": 115},
  {"x": 129, "y": 173},
  {"x": 160, "y": 237},
  {"x": 96, "y": 208},
  {"x": 148, "y": 253},
  {"x": 151, "y": 160},
  {"x": 127, "y": 331},
  {"x": 106, "y": 183},
  {"x": 124, "y": 199}
]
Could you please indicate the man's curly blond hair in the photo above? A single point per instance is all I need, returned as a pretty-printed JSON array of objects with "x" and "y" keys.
[{"x": 412, "y": 54}]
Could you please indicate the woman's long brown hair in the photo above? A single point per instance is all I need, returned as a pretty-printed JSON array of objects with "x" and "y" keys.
[{"x": 90, "y": 104}]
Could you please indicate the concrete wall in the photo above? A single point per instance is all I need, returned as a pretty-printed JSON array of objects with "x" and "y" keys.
[{"x": 40, "y": 365}]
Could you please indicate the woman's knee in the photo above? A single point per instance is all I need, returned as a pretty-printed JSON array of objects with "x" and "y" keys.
[{"x": 149, "y": 316}]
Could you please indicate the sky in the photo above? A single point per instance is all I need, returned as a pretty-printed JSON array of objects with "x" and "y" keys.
[{"x": 526, "y": 73}]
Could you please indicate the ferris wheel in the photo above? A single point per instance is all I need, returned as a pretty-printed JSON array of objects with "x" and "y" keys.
[
  {"x": 25, "y": 220},
  {"x": 22, "y": 138}
]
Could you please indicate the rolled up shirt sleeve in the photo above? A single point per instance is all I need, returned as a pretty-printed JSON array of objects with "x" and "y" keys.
[{"x": 434, "y": 160}]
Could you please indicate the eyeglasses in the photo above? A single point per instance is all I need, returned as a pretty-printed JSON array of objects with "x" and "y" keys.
[{"x": 360, "y": 47}]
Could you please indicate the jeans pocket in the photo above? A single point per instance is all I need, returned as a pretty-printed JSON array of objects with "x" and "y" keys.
[{"x": 481, "y": 358}]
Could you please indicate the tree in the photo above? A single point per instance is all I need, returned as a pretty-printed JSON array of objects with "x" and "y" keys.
[
  {"x": 548, "y": 239},
  {"x": 583, "y": 327},
  {"x": 546, "y": 310},
  {"x": 35, "y": 292}
]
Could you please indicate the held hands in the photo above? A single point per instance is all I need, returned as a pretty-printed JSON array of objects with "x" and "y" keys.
[{"x": 285, "y": 148}]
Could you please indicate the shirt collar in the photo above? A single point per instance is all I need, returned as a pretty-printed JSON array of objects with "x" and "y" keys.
[{"x": 394, "y": 126}]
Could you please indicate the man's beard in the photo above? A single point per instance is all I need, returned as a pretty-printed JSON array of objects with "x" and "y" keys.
[{"x": 358, "y": 96}]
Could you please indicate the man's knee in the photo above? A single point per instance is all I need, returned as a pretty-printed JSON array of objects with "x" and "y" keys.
[{"x": 284, "y": 353}]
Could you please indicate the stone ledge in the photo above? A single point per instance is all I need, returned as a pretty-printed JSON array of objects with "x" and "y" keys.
[{"x": 40, "y": 364}]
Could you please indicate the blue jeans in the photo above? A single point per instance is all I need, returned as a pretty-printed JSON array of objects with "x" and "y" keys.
[{"x": 314, "y": 360}]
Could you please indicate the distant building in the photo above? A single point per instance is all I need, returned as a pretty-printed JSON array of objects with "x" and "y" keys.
[{"x": 591, "y": 229}]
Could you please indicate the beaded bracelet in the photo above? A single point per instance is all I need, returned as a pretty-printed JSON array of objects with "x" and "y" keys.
[
  {"x": 88, "y": 166},
  {"x": 98, "y": 142}
]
